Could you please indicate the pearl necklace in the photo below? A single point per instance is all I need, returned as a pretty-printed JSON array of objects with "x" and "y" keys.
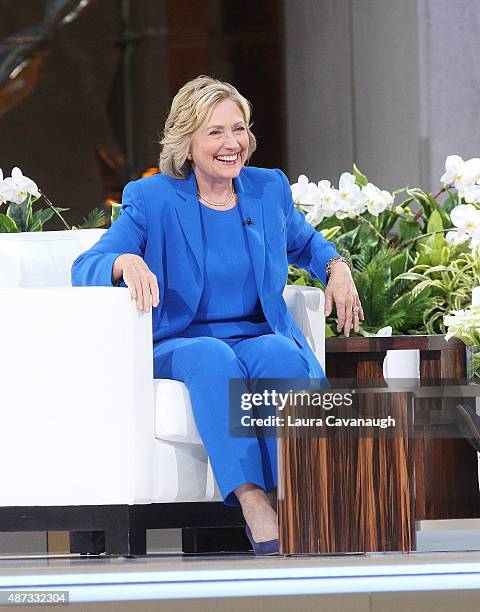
[{"x": 213, "y": 203}]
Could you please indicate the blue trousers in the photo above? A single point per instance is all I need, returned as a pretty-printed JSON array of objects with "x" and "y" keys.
[{"x": 205, "y": 364}]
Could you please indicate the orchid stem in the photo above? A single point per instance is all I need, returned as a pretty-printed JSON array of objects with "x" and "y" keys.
[
  {"x": 373, "y": 228},
  {"x": 411, "y": 240},
  {"x": 50, "y": 205}
]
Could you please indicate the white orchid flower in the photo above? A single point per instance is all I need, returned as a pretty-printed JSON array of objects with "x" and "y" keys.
[
  {"x": 471, "y": 184},
  {"x": 378, "y": 200},
  {"x": 472, "y": 170},
  {"x": 303, "y": 192},
  {"x": 472, "y": 194},
  {"x": 326, "y": 196},
  {"x": 315, "y": 216},
  {"x": 299, "y": 188},
  {"x": 466, "y": 217},
  {"x": 17, "y": 187},
  {"x": 349, "y": 199},
  {"x": 453, "y": 167},
  {"x": 2, "y": 198},
  {"x": 464, "y": 324},
  {"x": 10, "y": 191},
  {"x": 25, "y": 184},
  {"x": 474, "y": 244},
  {"x": 455, "y": 174},
  {"x": 456, "y": 237}
]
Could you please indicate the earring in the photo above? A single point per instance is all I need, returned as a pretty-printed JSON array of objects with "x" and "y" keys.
[{"x": 189, "y": 156}]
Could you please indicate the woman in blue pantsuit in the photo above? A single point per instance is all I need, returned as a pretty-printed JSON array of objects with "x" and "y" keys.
[{"x": 207, "y": 244}]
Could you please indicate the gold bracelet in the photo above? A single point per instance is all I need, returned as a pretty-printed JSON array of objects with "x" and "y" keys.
[{"x": 333, "y": 260}]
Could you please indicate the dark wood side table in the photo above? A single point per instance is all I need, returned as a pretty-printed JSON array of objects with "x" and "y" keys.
[{"x": 365, "y": 494}]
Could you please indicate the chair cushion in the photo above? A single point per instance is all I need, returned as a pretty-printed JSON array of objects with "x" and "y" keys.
[
  {"x": 42, "y": 259},
  {"x": 182, "y": 473},
  {"x": 306, "y": 305},
  {"x": 174, "y": 420},
  {"x": 179, "y": 450}
]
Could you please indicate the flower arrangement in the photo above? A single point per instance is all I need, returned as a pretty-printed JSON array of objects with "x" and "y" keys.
[
  {"x": 19, "y": 193},
  {"x": 465, "y": 325},
  {"x": 411, "y": 267}
]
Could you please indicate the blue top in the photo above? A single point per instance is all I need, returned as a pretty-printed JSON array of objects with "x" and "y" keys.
[{"x": 229, "y": 306}]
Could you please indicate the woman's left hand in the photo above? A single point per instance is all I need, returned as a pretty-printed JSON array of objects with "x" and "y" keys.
[{"x": 341, "y": 290}]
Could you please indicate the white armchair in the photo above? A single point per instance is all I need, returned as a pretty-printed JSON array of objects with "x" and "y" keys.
[{"x": 92, "y": 442}]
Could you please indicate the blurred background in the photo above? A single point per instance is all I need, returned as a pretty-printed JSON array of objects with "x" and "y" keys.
[{"x": 85, "y": 86}]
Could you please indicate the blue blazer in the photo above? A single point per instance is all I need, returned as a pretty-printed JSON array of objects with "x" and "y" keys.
[{"x": 160, "y": 221}]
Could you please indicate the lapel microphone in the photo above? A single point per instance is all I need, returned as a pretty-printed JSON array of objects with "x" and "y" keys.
[{"x": 248, "y": 221}]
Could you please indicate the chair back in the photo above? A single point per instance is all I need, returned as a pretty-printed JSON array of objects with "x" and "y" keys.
[{"x": 42, "y": 259}]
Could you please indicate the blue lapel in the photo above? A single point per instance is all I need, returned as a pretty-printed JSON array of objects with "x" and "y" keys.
[
  {"x": 189, "y": 216},
  {"x": 251, "y": 205}
]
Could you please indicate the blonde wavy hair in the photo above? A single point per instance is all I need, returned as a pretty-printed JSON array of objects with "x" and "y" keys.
[{"x": 191, "y": 108}]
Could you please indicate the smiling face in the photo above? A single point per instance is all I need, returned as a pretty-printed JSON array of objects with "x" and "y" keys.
[{"x": 220, "y": 147}]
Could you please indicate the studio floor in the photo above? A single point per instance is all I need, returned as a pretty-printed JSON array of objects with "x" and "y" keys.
[{"x": 420, "y": 581}]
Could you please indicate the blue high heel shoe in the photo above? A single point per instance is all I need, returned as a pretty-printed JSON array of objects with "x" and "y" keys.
[{"x": 271, "y": 547}]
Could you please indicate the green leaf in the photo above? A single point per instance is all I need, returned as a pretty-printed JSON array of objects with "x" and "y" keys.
[
  {"x": 407, "y": 228},
  {"x": 436, "y": 253},
  {"x": 40, "y": 217},
  {"x": 440, "y": 268},
  {"x": 347, "y": 239},
  {"x": 397, "y": 263},
  {"x": 329, "y": 333},
  {"x": 435, "y": 222},
  {"x": 421, "y": 198},
  {"x": 21, "y": 214},
  {"x": 410, "y": 276},
  {"x": 7, "y": 225},
  {"x": 396, "y": 192},
  {"x": 95, "y": 218},
  {"x": 360, "y": 178},
  {"x": 115, "y": 211},
  {"x": 439, "y": 209},
  {"x": 450, "y": 202},
  {"x": 331, "y": 232}
]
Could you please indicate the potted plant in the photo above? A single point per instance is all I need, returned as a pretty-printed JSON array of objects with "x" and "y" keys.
[
  {"x": 411, "y": 267},
  {"x": 19, "y": 194},
  {"x": 413, "y": 262}
]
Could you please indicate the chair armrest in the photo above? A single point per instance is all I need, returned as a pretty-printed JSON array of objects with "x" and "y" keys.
[
  {"x": 306, "y": 305},
  {"x": 76, "y": 399}
]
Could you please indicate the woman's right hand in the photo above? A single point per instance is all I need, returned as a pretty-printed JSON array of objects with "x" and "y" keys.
[{"x": 141, "y": 282}]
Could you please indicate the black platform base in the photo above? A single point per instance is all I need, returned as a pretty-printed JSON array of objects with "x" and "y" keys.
[{"x": 121, "y": 529}]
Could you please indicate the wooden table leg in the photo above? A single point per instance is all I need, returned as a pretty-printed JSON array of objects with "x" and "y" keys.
[{"x": 339, "y": 492}]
